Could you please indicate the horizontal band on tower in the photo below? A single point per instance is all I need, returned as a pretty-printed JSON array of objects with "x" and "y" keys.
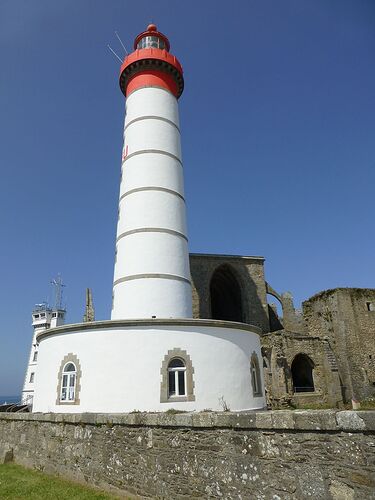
[
  {"x": 145, "y": 276},
  {"x": 155, "y": 151},
  {"x": 150, "y": 87},
  {"x": 151, "y": 117},
  {"x": 151, "y": 230},
  {"x": 152, "y": 188}
]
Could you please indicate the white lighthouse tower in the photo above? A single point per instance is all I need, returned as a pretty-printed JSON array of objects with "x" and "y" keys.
[
  {"x": 152, "y": 355},
  {"x": 152, "y": 275}
]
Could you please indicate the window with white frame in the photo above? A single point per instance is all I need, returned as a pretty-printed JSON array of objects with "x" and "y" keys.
[
  {"x": 68, "y": 382},
  {"x": 176, "y": 378},
  {"x": 35, "y": 357},
  {"x": 31, "y": 381}
]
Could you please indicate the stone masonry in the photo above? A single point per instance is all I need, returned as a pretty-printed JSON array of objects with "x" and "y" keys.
[
  {"x": 248, "y": 271},
  {"x": 261, "y": 455},
  {"x": 335, "y": 330},
  {"x": 346, "y": 318}
]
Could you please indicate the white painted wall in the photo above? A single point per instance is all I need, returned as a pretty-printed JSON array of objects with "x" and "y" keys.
[
  {"x": 41, "y": 320},
  {"x": 152, "y": 209},
  {"x": 28, "y": 387},
  {"x": 51, "y": 319},
  {"x": 151, "y": 123},
  {"x": 159, "y": 170},
  {"x": 152, "y": 297},
  {"x": 152, "y": 253},
  {"x": 121, "y": 368}
]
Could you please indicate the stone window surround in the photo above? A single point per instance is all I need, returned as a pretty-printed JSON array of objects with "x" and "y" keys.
[
  {"x": 254, "y": 362},
  {"x": 176, "y": 352},
  {"x": 69, "y": 358}
]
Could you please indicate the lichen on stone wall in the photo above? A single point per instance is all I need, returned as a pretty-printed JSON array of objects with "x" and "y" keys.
[{"x": 276, "y": 454}]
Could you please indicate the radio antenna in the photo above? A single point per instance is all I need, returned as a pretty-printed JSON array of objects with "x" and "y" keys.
[
  {"x": 58, "y": 284},
  {"x": 114, "y": 53},
  {"x": 123, "y": 46}
]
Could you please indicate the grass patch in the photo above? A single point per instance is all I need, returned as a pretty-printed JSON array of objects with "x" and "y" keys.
[
  {"x": 18, "y": 483},
  {"x": 174, "y": 411},
  {"x": 368, "y": 404},
  {"x": 315, "y": 406}
]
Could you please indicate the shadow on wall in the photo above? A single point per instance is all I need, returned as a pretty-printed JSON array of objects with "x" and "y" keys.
[
  {"x": 227, "y": 290},
  {"x": 226, "y": 296}
]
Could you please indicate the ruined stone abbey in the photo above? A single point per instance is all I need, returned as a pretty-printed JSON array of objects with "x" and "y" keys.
[{"x": 324, "y": 354}]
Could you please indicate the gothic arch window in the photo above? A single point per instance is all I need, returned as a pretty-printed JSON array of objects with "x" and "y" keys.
[
  {"x": 225, "y": 295},
  {"x": 177, "y": 384},
  {"x": 302, "y": 373},
  {"x": 69, "y": 381},
  {"x": 256, "y": 380}
]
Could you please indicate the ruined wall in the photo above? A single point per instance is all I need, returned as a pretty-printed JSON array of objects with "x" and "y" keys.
[
  {"x": 292, "y": 318},
  {"x": 249, "y": 272},
  {"x": 263, "y": 455},
  {"x": 342, "y": 316},
  {"x": 279, "y": 350}
]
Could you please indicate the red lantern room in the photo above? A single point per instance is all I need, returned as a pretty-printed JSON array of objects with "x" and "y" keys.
[{"x": 151, "y": 65}]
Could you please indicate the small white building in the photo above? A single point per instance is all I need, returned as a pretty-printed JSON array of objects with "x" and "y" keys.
[
  {"x": 151, "y": 355},
  {"x": 43, "y": 318}
]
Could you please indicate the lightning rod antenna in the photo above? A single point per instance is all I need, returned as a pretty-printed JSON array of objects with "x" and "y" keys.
[
  {"x": 123, "y": 46},
  {"x": 114, "y": 53}
]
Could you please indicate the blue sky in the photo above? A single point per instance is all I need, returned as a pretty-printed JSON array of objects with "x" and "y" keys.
[{"x": 278, "y": 121}]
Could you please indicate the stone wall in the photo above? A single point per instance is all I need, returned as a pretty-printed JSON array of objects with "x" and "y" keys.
[
  {"x": 248, "y": 271},
  {"x": 336, "y": 330},
  {"x": 342, "y": 316},
  {"x": 261, "y": 455},
  {"x": 279, "y": 350}
]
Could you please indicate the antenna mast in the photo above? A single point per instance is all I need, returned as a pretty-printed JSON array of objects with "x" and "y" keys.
[
  {"x": 123, "y": 46},
  {"x": 114, "y": 53},
  {"x": 58, "y": 284}
]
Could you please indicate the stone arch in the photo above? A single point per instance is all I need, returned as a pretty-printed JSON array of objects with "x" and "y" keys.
[
  {"x": 226, "y": 295},
  {"x": 302, "y": 373},
  {"x": 274, "y": 316}
]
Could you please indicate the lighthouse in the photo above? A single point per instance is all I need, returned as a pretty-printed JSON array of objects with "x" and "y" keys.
[
  {"x": 152, "y": 355},
  {"x": 152, "y": 275}
]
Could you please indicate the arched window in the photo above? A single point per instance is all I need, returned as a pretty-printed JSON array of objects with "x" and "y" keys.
[
  {"x": 176, "y": 378},
  {"x": 302, "y": 374},
  {"x": 256, "y": 380},
  {"x": 177, "y": 384},
  {"x": 225, "y": 293},
  {"x": 68, "y": 382}
]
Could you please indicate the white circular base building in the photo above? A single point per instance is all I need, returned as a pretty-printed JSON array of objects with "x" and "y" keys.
[{"x": 149, "y": 365}]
